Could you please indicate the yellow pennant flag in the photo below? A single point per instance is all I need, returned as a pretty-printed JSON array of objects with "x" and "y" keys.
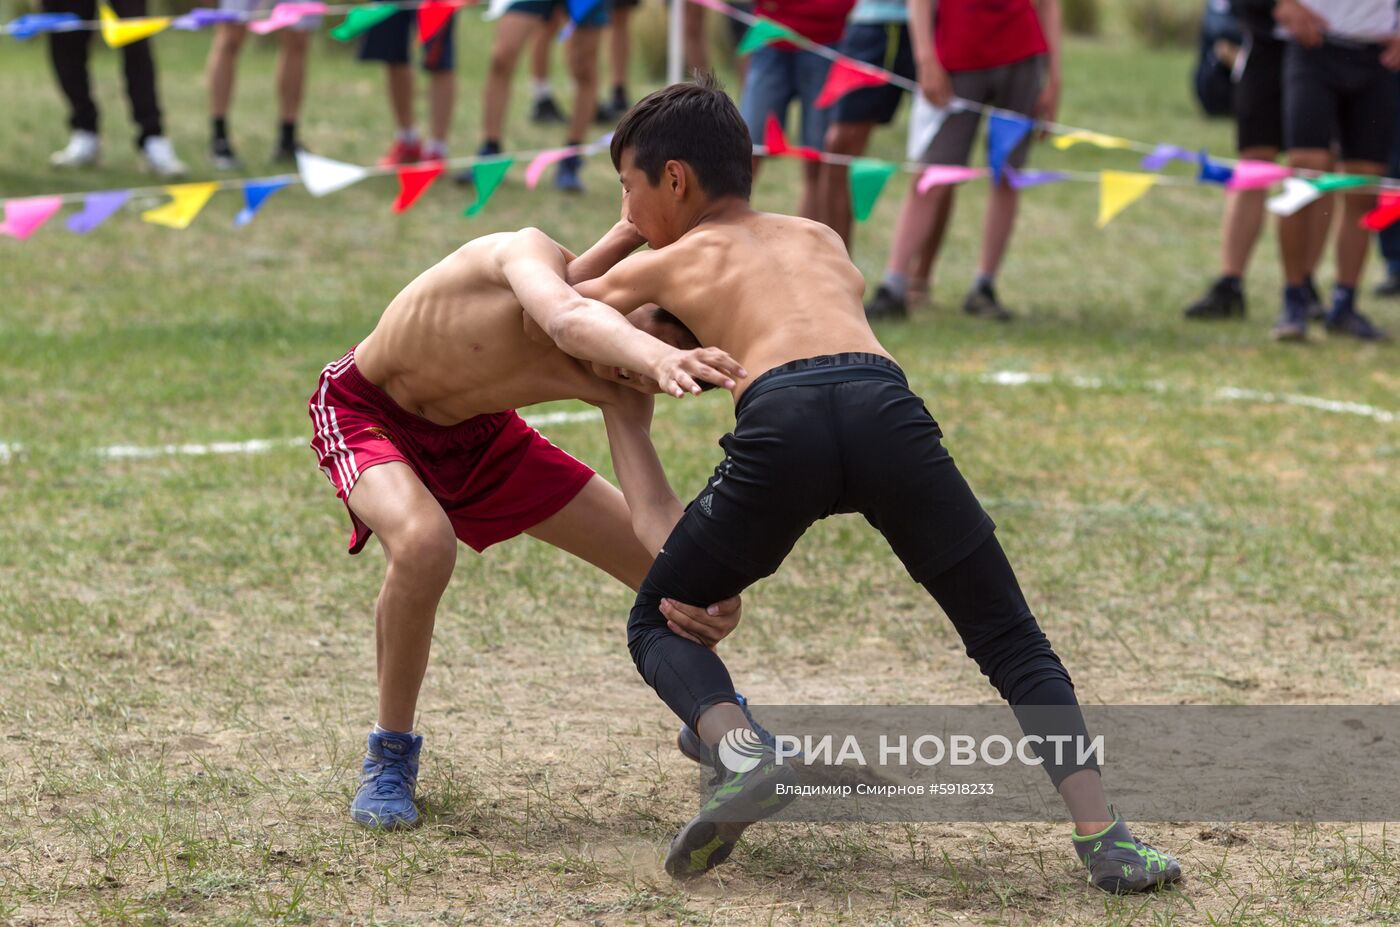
[
  {"x": 1120, "y": 189},
  {"x": 189, "y": 199},
  {"x": 118, "y": 32},
  {"x": 1070, "y": 139}
]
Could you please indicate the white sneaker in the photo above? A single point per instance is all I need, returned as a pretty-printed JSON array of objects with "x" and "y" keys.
[
  {"x": 160, "y": 159},
  {"x": 84, "y": 150}
]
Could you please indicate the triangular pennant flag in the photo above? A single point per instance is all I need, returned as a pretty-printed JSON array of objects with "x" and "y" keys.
[
  {"x": 495, "y": 9},
  {"x": 1386, "y": 213},
  {"x": 1120, "y": 189},
  {"x": 1020, "y": 180},
  {"x": 24, "y": 216},
  {"x": 925, "y": 120},
  {"x": 202, "y": 18},
  {"x": 1255, "y": 175},
  {"x": 541, "y": 163},
  {"x": 361, "y": 18},
  {"x": 32, "y": 24},
  {"x": 1329, "y": 182},
  {"x": 1212, "y": 171},
  {"x": 773, "y": 138},
  {"x": 1296, "y": 194},
  {"x": 97, "y": 209},
  {"x": 1070, "y": 139},
  {"x": 286, "y": 14},
  {"x": 254, "y": 195},
  {"x": 324, "y": 175},
  {"x": 718, "y": 6},
  {"x": 432, "y": 16},
  {"x": 1164, "y": 154},
  {"x": 940, "y": 175},
  {"x": 118, "y": 32},
  {"x": 1004, "y": 133},
  {"x": 487, "y": 175},
  {"x": 845, "y": 76},
  {"x": 764, "y": 32},
  {"x": 868, "y": 179},
  {"x": 415, "y": 179},
  {"x": 578, "y": 9},
  {"x": 187, "y": 199}
]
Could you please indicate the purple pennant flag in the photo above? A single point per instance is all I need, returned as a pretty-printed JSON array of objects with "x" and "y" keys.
[
  {"x": 1164, "y": 154},
  {"x": 97, "y": 209},
  {"x": 1019, "y": 180},
  {"x": 203, "y": 18}
]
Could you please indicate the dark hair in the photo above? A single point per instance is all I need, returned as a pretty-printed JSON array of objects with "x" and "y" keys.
[
  {"x": 696, "y": 123},
  {"x": 685, "y": 338}
]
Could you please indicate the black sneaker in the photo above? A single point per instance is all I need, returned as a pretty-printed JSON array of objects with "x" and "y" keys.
[
  {"x": 546, "y": 112},
  {"x": 222, "y": 156},
  {"x": 465, "y": 177},
  {"x": 749, "y": 785},
  {"x": 286, "y": 154},
  {"x": 886, "y": 304},
  {"x": 981, "y": 301},
  {"x": 1388, "y": 287},
  {"x": 1350, "y": 322},
  {"x": 1224, "y": 300}
]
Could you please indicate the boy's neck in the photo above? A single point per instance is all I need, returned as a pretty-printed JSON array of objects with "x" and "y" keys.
[{"x": 726, "y": 209}]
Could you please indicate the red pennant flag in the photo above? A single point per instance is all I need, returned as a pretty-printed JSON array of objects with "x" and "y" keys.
[
  {"x": 773, "y": 138},
  {"x": 413, "y": 181},
  {"x": 844, "y": 77},
  {"x": 433, "y": 15},
  {"x": 1386, "y": 213}
]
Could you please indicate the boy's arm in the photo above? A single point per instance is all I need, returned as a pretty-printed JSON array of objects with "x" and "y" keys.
[
  {"x": 1048, "y": 106},
  {"x": 592, "y": 331},
  {"x": 621, "y": 240},
  {"x": 934, "y": 81}
]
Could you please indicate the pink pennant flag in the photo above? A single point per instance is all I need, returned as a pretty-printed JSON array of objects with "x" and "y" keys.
[
  {"x": 1255, "y": 175},
  {"x": 286, "y": 14},
  {"x": 541, "y": 163},
  {"x": 941, "y": 175},
  {"x": 845, "y": 76},
  {"x": 719, "y": 7},
  {"x": 23, "y": 217}
]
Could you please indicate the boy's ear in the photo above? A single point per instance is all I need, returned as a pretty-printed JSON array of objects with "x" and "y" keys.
[{"x": 675, "y": 178}]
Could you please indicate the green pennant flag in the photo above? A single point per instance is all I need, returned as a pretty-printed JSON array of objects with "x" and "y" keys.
[
  {"x": 1329, "y": 182},
  {"x": 868, "y": 179},
  {"x": 487, "y": 175},
  {"x": 361, "y": 18},
  {"x": 764, "y": 32}
]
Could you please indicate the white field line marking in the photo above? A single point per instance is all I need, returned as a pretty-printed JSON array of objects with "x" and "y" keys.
[{"x": 996, "y": 378}]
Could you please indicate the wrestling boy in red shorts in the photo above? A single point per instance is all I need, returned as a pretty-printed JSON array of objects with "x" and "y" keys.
[{"x": 416, "y": 429}]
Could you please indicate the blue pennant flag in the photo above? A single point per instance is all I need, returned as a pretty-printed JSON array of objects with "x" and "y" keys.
[
  {"x": 1004, "y": 133},
  {"x": 32, "y": 24},
  {"x": 253, "y": 196},
  {"x": 1212, "y": 171}
]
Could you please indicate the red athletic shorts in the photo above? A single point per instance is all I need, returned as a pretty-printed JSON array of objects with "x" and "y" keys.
[{"x": 494, "y": 475}]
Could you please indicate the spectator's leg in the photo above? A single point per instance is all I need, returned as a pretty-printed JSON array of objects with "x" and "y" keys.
[
  {"x": 809, "y": 72},
  {"x": 139, "y": 70},
  {"x": 620, "y": 51},
  {"x": 583, "y": 66},
  {"x": 843, "y": 138},
  {"x": 399, "y": 80},
  {"x": 291, "y": 73},
  {"x": 921, "y": 269},
  {"x": 697, "y": 44},
  {"x": 1294, "y": 232},
  {"x": 1389, "y": 237},
  {"x": 997, "y": 225},
  {"x": 1243, "y": 220},
  {"x": 222, "y": 67},
  {"x": 68, "y": 51},
  {"x": 541, "y": 54},
  {"x": 442, "y": 95},
  {"x": 513, "y": 30},
  {"x": 1353, "y": 239}
]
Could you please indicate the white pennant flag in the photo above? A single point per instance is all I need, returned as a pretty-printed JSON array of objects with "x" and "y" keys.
[
  {"x": 323, "y": 175},
  {"x": 1296, "y": 194}
]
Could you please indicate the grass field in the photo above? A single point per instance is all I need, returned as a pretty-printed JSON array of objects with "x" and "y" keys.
[{"x": 187, "y": 651}]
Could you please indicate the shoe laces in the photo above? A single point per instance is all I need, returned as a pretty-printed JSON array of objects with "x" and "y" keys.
[{"x": 391, "y": 775}]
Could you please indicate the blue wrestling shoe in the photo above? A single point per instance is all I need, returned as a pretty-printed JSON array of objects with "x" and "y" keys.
[
  {"x": 387, "y": 781},
  {"x": 695, "y": 749}
]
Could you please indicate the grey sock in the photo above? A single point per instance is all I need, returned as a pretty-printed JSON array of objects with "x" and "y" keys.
[{"x": 896, "y": 283}]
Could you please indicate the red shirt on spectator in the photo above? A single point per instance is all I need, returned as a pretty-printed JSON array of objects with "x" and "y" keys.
[
  {"x": 819, "y": 20},
  {"x": 974, "y": 34}
]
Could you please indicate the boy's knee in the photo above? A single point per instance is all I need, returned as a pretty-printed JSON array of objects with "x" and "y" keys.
[
  {"x": 644, "y": 626},
  {"x": 426, "y": 547}
]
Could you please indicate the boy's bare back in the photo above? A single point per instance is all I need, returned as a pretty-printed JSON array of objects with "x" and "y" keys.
[
  {"x": 767, "y": 288},
  {"x": 455, "y": 344}
]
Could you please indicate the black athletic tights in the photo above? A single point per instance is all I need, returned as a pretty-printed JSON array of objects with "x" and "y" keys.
[
  {"x": 69, "y": 53},
  {"x": 979, "y": 594}
]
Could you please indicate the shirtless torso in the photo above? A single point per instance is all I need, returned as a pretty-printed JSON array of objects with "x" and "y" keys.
[
  {"x": 769, "y": 288},
  {"x": 455, "y": 344}
]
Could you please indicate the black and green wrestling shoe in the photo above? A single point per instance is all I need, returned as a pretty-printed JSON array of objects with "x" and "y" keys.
[
  {"x": 1120, "y": 864},
  {"x": 749, "y": 785}
]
